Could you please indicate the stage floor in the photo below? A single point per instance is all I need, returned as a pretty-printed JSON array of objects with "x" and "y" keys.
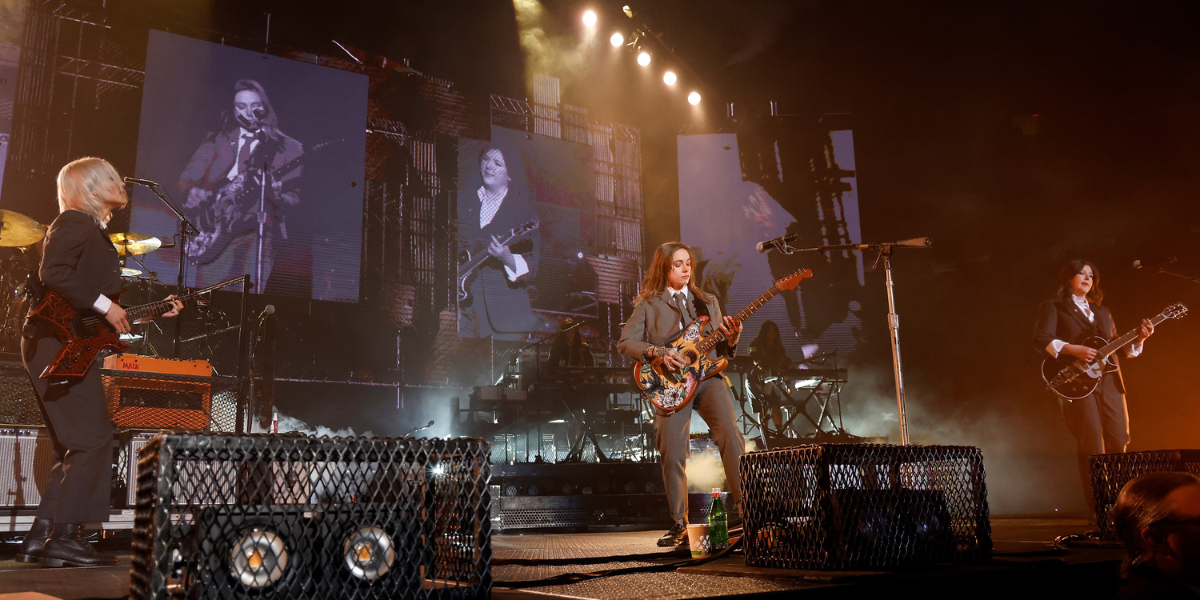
[{"x": 1026, "y": 564}]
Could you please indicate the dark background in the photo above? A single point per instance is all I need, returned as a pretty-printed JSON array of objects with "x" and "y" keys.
[{"x": 1018, "y": 135}]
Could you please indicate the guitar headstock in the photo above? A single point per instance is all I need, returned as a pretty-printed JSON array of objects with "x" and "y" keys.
[
  {"x": 791, "y": 281},
  {"x": 524, "y": 228},
  {"x": 1174, "y": 311}
]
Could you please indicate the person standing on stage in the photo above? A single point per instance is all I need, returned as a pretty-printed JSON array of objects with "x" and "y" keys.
[
  {"x": 227, "y": 164},
  {"x": 80, "y": 263},
  {"x": 1099, "y": 422},
  {"x": 668, "y": 301}
]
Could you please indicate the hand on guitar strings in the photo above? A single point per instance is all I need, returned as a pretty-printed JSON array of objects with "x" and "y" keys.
[
  {"x": 1146, "y": 331},
  {"x": 502, "y": 252},
  {"x": 668, "y": 357},
  {"x": 116, "y": 317},
  {"x": 732, "y": 328},
  {"x": 1084, "y": 353}
]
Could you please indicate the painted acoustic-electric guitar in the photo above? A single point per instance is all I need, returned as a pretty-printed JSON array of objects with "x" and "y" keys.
[
  {"x": 1073, "y": 378},
  {"x": 672, "y": 390},
  {"x": 85, "y": 337}
]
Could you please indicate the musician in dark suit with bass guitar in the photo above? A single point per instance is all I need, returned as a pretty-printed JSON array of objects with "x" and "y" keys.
[
  {"x": 497, "y": 297},
  {"x": 668, "y": 301},
  {"x": 1100, "y": 421},
  {"x": 224, "y": 186},
  {"x": 80, "y": 263}
]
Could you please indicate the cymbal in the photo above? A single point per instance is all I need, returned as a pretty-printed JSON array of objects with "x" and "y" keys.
[
  {"x": 134, "y": 243},
  {"x": 127, "y": 272},
  {"x": 18, "y": 230}
]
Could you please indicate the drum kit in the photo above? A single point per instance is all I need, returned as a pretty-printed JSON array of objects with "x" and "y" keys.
[{"x": 19, "y": 255}]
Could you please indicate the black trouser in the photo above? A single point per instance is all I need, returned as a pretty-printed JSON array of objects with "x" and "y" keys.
[
  {"x": 80, "y": 483},
  {"x": 1100, "y": 424}
]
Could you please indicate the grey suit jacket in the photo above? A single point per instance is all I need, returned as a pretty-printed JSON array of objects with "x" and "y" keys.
[{"x": 655, "y": 322}]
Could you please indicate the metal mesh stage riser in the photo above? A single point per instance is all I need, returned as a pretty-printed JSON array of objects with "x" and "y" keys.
[
  {"x": 1110, "y": 473},
  {"x": 842, "y": 506},
  {"x": 255, "y": 516}
]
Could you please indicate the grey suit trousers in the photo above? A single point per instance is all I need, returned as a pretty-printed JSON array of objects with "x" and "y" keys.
[{"x": 715, "y": 405}]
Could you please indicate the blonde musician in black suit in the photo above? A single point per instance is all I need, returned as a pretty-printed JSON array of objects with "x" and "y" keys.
[
  {"x": 669, "y": 300},
  {"x": 1099, "y": 422},
  {"x": 80, "y": 263}
]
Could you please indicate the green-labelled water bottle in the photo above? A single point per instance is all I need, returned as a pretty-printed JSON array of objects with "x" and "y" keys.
[{"x": 718, "y": 523}]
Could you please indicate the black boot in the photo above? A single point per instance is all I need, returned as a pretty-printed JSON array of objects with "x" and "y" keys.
[
  {"x": 31, "y": 547},
  {"x": 675, "y": 536},
  {"x": 67, "y": 548}
]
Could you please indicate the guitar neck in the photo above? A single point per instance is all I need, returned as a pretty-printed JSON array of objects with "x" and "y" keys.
[
  {"x": 1120, "y": 342},
  {"x": 92, "y": 325},
  {"x": 709, "y": 342}
]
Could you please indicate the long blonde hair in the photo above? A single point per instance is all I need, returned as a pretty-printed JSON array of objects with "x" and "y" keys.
[
  {"x": 90, "y": 185},
  {"x": 660, "y": 267}
]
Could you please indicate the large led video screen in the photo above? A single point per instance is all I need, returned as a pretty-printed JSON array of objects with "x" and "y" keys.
[
  {"x": 808, "y": 188},
  {"x": 526, "y": 227},
  {"x": 265, "y": 156}
]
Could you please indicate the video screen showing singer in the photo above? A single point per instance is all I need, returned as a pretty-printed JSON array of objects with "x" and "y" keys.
[{"x": 238, "y": 189}]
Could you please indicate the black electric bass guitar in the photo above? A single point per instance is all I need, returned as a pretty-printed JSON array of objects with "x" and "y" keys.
[
  {"x": 232, "y": 207},
  {"x": 672, "y": 390},
  {"x": 470, "y": 263},
  {"x": 83, "y": 337},
  {"x": 1074, "y": 378}
]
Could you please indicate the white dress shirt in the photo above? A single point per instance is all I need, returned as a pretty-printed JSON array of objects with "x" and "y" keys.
[
  {"x": 1056, "y": 346},
  {"x": 489, "y": 205}
]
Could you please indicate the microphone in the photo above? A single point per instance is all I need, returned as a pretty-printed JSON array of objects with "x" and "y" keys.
[
  {"x": 269, "y": 310},
  {"x": 763, "y": 247},
  {"x": 1137, "y": 264},
  {"x": 145, "y": 182},
  {"x": 259, "y": 113}
]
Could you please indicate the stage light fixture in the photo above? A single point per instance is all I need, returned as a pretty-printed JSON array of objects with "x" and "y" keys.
[
  {"x": 628, "y": 11},
  {"x": 694, "y": 98},
  {"x": 669, "y": 78},
  {"x": 617, "y": 39},
  {"x": 589, "y": 18},
  {"x": 644, "y": 58}
]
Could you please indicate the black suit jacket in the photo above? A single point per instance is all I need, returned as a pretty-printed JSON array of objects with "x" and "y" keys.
[
  {"x": 1062, "y": 320},
  {"x": 79, "y": 261},
  {"x": 506, "y": 302}
]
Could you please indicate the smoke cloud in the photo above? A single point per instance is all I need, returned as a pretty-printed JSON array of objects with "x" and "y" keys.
[{"x": 546, "y": 53}]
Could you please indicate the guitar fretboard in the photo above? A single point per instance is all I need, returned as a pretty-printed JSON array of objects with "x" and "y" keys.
[
  {"x": 709, "y": 342},
  {"x": 1120, "y": 342}
]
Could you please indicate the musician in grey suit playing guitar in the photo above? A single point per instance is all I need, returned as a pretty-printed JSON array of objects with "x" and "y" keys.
[
  {"x": 1100, "y": 421},
  {"x": 668, "y": 301}
]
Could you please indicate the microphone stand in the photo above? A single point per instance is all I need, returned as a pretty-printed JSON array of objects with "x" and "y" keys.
[
  {"x": 186, "y": 228},
  {"x": 1179, "y": 275},
  {"x": 885, "y": 255}
]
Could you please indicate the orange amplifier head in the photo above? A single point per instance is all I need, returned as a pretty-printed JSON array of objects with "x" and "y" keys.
[
  {"x": 157, "y": 393},
  {"x": 153, "y": 364}
]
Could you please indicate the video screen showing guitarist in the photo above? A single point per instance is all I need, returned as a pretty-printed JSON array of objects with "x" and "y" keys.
[
  {"x": 224, "y": 184},
  {"x": 80, "y": 264},
  {"x": 495, "y": 298},
  {"x": 1099, "y": 421},
  {"x": 669, "y": 300}
]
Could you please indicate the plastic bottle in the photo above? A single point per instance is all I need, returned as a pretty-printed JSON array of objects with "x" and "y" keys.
[{"x": 718, "y": 523}]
